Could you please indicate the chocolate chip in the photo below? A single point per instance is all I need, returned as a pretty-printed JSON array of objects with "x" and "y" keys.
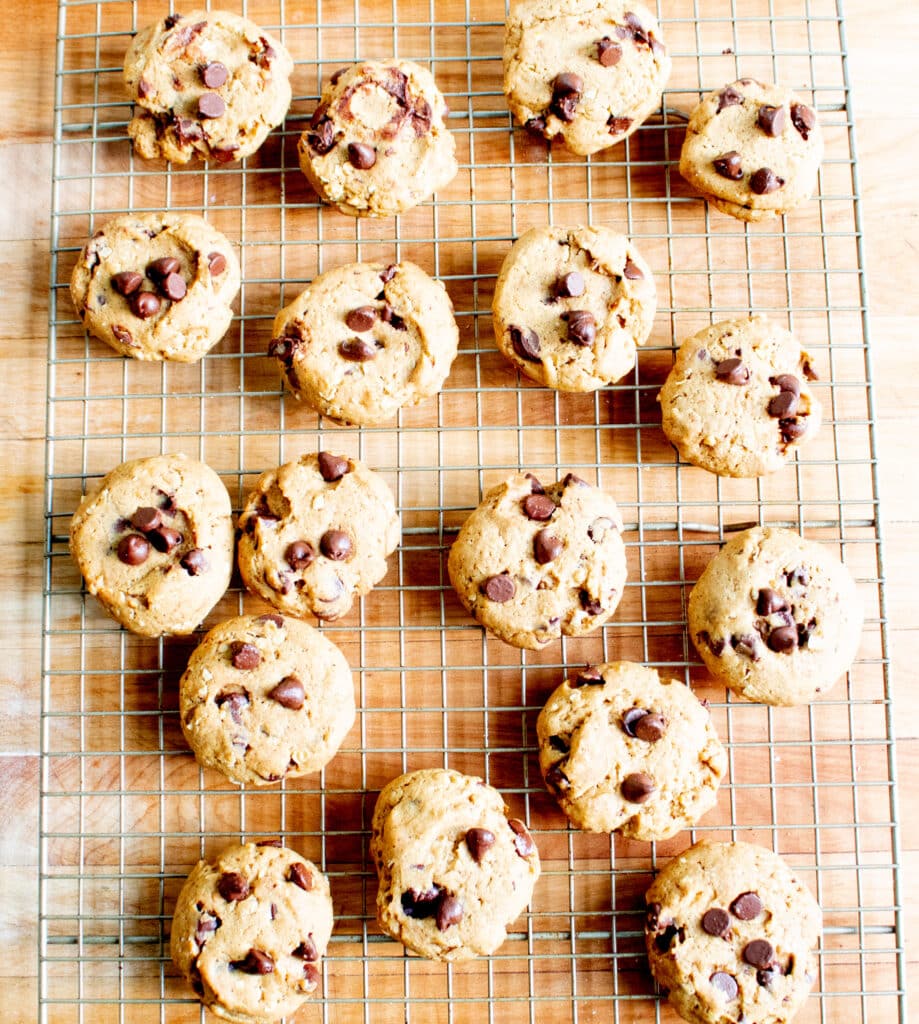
[
  {"x": 133, "y": 549},
  {"x": 546, "y": 547},
  {"x": 729, "y": 165},
  {"x": 283, "y": 348},
  {"x": 771, "y": 120},
  {"x": 146, "y": 518},
  {"x": 759, "y": 953},
  {"x": 164, "y": 539},
  {"x": 322, "y": 140},
  {"x": 449, "y": 912},
  {"x": 337, "y": 545},
  {"x": 356, "y": 350},
  {"x": 765, "y": 180},
  {"x": 637, "y": 788},
  {"x": 715, "y": 921},
  {"x": 732, "y": 371},
  {"x": 269, "y": 842},
  {"x": 144, "y": 88},
  {"x": 224, "y": 154},
  {"x": 211, "y": 105},
  {"x": 216, "y": 263},
  {"x": 420, "y": 905},
  {"x": 556, "y": 779},
  {"x": 608, "y": 53},
  {"x": 569, "y": 285},
  {"x": 244, "y": 656},
  {"x": 747, "y": 906},
  {"x": 630, "y": 718},
  {"x": 715, "y": 646},
  {"x": 389, "y": 273},
  {"x": 590, "y": 675},
  {"x": 233, "y": 887},
  {"x": 127, "y": 282},
  {"x": 256, "y": 962},
  {"x": 123, "y": 335},
  {"x": 174, "y": 287},
  {"x": 783, "y": 405},
  {"x": 783, "y": 639},
  {"x": 214, "y": 74},
  {"x": 389, "y": 316},
  {"x": 535, "y": 486},
  {"x": 652, "y": 916},
  {"x": 804, "y": 119},
  {"x": 311, "y": 975},
  {"x": 206, "y": 926},
  {"x": 194, "y": 562},
  {"x": 559, "y": 743},
  {"x": 307, "y": 950},
  {"x": 657, "y": 47},
  {"x": 479, "y": 841},
  {"x": 163, "y": 267},
  {"x": 665, "y": 939},
  {"x": 746, "y": 645},
  {"x": 724, "y": 984},
  {"x": 618, "y": 125},
  {"x": 499, "y": 588},
  {"x": 235, "y": 701},
  {"x": 797, "y": 577},
  {"x": 538, "y": 506},
  {"x": 535, "y": 125},
  {"x": 299, "y": 555},
  {"x": 729, "y": 97},
  {"x": 787, "y": 382},
  {"x": 299, "y": 873},
  {"x": 650, "y": 727},
  {"x": 289, "y": 693},
  {"x": 361, "y": 319},
  {"x": 361, "y": 156},
  {"x": 582, "y": 327},
  {"x": 523, "y": 841},
  {"x": 792, "y": 429},
  {"x": 770, "y": 601},
  {"x": 566, "y": 93},
  {"x": 767, "y": 977},
  {"x": 632, "y": 271},
  {"x": 144, "y": 304},
  {"x": 525, "y": 343},
  {"x": 590, "y": 604}
]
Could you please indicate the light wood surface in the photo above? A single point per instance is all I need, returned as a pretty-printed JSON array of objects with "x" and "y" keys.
[{"x": 882, "y": 60}]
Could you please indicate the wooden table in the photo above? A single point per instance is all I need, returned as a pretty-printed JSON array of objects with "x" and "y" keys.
[{"x": 882, "y": 53}]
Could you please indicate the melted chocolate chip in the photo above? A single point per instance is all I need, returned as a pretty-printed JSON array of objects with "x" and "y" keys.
[
  {"x": 244, "y": 657},
  {"x": 591, "y": 605},
  {"x": 300, "y": 875},
  {"x": 332, "y": 467},
  {"x": 307, "y": 950},
  {"x": 255, "y": 962},
  {"x": 771, "y": 120},
  {"x": 582, "y": 327},
  {"x": 123, "y": 335},
  {"x": 420, "y": 905},
  {"x": 729, "y": 97},
  {"x": 566, "y": 94},
  {"x": 770, "y": 601},
  {"x": 299, "y": 555},
  {"x": 194, "y": 562},
  {"x": 499, "y": 588},
  {"x": 608, "y": 53},
  {"x": 525, "y": 343},
  {"x": 746, "y": 645},
  {"x": 729, "y": 165},
  {"x": 715, "y": 921},
  {"x": 205, "y": 927},
  {"x": 556, "y": 779},
  {"x": 538, "y": 506},
  {"x": 523, "y": 841},
  {"x": 804, "y": 119},
  {"x": 356, "y": 350},
  {"x": 361, "y": 319},
  {"x": 546, "y": 547},
  {"x": 618, "y": 125},
  {"x": 637, "y": 788},
  {"x": 133, "y": 549},
  {"x": 764, "y": 181},
  {"x": 233, "y": 887},
  {"x": 235, "y": 701},
  {"x": 164, "y": 539},
  {"x": 535, "y": 486},
  {"x": 449, "y": 912},
  {"x": 336, "y": 545},
  {"x": 289, "y": 693},
  {"x": 322, "y": 139},
  {"x": 783, "y": 405},
  {"x": 535, "y": 125},
  {"x": 732, "y": 371},
  {"x": 590, "y": 675},
  {"x": 747, "y": 906},
  {"x": 479, "y": 841}
]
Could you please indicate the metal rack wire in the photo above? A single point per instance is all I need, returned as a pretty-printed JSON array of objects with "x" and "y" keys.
[{"x": 125, "y": 811}]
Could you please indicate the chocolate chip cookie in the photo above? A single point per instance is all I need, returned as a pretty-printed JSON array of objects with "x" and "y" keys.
[
  {"x": 250, "y": 930},
  {"x": 316, "y": 533},
  {"x": 266, "y": 698},
  {"x": 208, "y": 84},
  {"x": 732, "y": 935},
  {"x": 156, "y": 285},
  {"x": 753, "y": 150},
  {"x": 590, "y": 71},
  {"x": 377, "y": 144},
  {"x": 532, "y": 564},
  {"x": 454, "y": 870},
  {"x": 571, "y": 305},
  {"x": 154, "y": 542},
  {"x": 775, "y": 617},
  {"x": 366, "y": 339},
  {"x": 738, "y": 400},
  {"x": 624, "y": 750}
]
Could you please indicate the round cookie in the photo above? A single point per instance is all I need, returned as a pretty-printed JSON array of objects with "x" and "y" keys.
[
  {"x": 154, "y": 543},
  {"x": 156, "y": 285},
  {"x": 377, "y": 144},
  {"x": 454, "y": 871},
  {"x": 731, "y": 935},
  {"x": 533, "y": 564},
  {"x": 208, "y": 84},
  {"x": 737, "y": 401},
  {"x": 591, "y": 71},
  {"x": 250, "y": 929},
  {"x": 316, "y": 533},
  {"x": 775, "y": 617},
  {"x": 366, "y": 339},
  {"x": 571, "y": 305},
  {"x": 753, "y": 150},
  {"x": 623, "y": 750},
  {"x": 265, "y": 698}
]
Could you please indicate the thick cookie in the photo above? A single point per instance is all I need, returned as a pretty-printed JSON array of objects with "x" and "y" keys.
[
  {"x": 366, "y": 339},
  {"x": 571, "y": 304},
  {"x": 591, "y": 71},
  {"x": 454, "y": 871},
  {"x": 316, "y": 533},
  {"x": 775, "y": 617},
  {"x": 208, "y": 84},
  {"x": 737, "y": 401},
  {"x": 156, "y": 285},
  {"x": 377, "y": 144},
  {"x": 624, "y": 750},
  {"x": 534, "y": 564},
  {"x": 752, "y": 150},
  {"x": 154, "y": 543},
  {"x": 249, "y": 931},
  {"x": 731, "y": 935},
  {"x": 266, "y": 698}
]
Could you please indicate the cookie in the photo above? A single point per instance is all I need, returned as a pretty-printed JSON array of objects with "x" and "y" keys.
[
  {"x": 626, "y": 751},
  {"x": 250, "y": 930},
  {"x": 775, "y": 617},
  {"x": 366, "y": 339},
  {"x": 533, "y": 564},
  {"x": 590, "y": 71},
  {"x": 208, "y": 84},
  {"x": 571, "y": 305},
  {"x": 731, "y": 935},
  {"x": 377, "y": 144},
  {"x": 738, "y": 401},
  {"x": 753, "y": 150},
  {"x": 156, "y": 285},
  {"x": 454, "y": 871},
  {"x": 153, "y": 541},
  {"x": 266, "y": 698},
  {"x": 316, "y": 533}
]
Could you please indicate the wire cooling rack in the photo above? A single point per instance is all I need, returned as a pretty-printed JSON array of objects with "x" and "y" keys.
[{"x": 125, "y": 811}]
